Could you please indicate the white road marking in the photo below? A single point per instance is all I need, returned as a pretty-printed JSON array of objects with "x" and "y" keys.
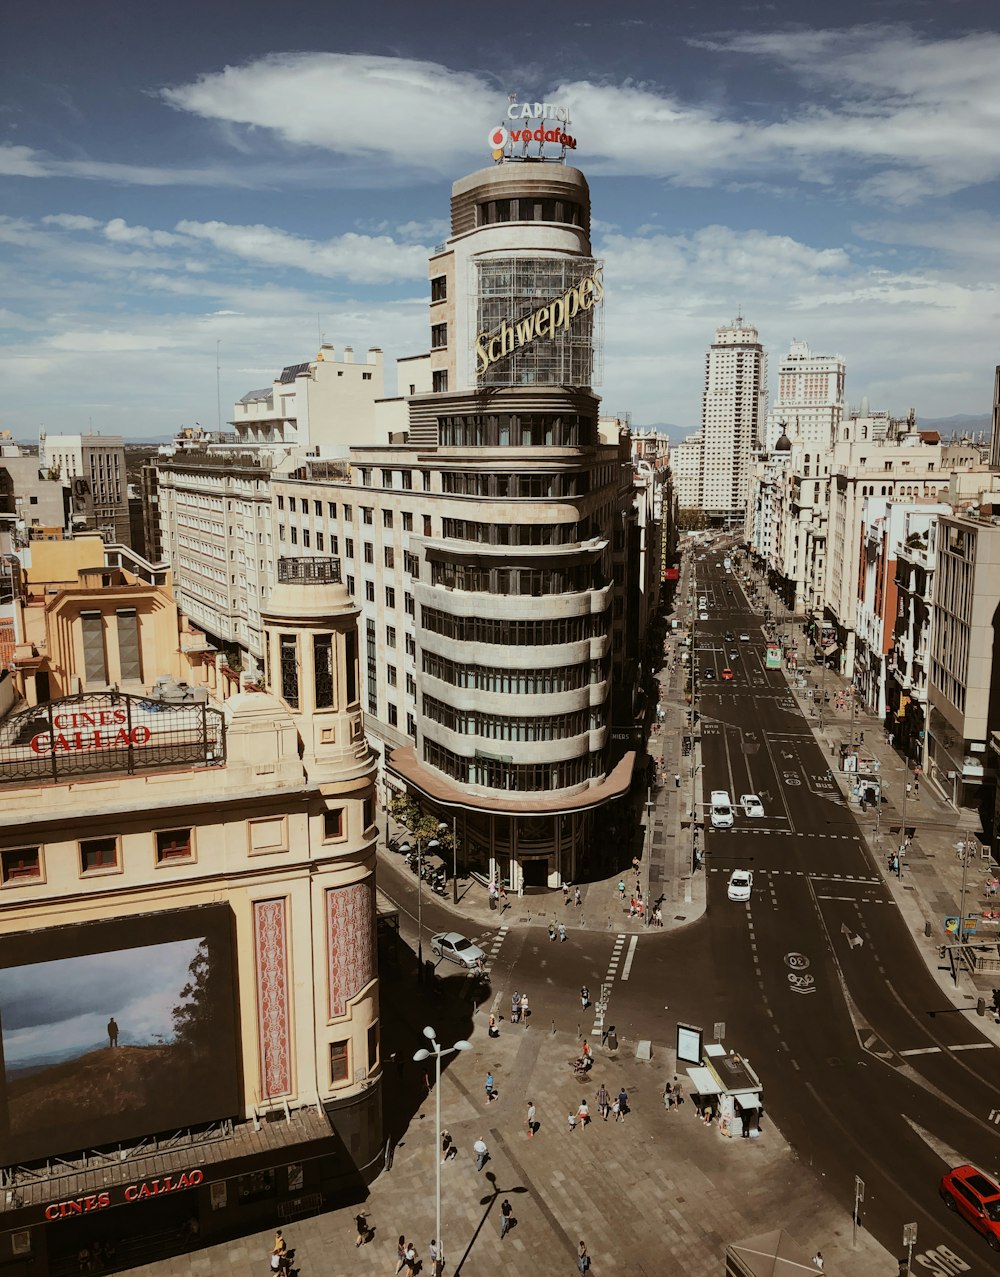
[
  {"x": 922, "y": 1050},
  {"x": 972, "y": 1046},
  {"x": 628, "y": 961}
]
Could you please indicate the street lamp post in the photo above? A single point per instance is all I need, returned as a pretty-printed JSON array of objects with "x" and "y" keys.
[{"x": 423, "y": 1054}]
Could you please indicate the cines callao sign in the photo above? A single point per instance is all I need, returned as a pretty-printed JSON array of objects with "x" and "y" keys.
[{"x": 546, "y": 321}]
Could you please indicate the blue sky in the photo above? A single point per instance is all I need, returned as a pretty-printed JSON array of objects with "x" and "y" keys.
[{"x": 186, "y": 179}]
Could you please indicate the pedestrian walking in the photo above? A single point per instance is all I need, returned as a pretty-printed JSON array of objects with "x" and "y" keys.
[
  {"x": 565, "y": 891},
  {"x": 531, "y": 1119},
  {"x": 401, "y": 1253},
  {"x": 552, "y": 931},
  {"x": 678, "y": 1092},
  {"x": 571, "y": 1119},
  {"x": 603, "y": 1101},
  {"x": 582, "y": 1259},
  {"x": 677, "y": 781},
  {"x": 437, "y": 1263},
  {"x": 621, "y": 889},
  {"x": 411, "y": 1258},
  {"x": 562, "y": 931},
  {"x": 583, "y": 1114},
  {"x": 361, "y": 1222},
  {"x": 668, "y": 1095},
  {"x": 447, "y": 1146},
  {"x": 818, "y": 1260},
  {"x": 525, "y": 1009},
  {"x": 493, "y": 1031},
  {"x": 482, "y": 1153},
  {"x": 623, "y": 1103},
  {"x": 506, "y": 1211},
  {"x": 584, "y": 997},
  {"x": 577, "y": 897},
  {"x": 658, "y": 917},
  {"x": 488, "y": 1085},
  {"x": 616, "y": 1109},
  {"x": 515, "y": 1007}
]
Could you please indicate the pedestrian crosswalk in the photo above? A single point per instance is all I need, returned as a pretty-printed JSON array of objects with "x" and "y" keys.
[
  {"x": 802, "y": 873},
  {"x": 601, "y": 1006}
]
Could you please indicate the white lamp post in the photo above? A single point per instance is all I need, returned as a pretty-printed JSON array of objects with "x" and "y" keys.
[{"x": 438, "y": 1051}]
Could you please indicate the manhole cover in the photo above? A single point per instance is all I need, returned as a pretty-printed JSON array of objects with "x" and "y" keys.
[{"x": 834, "y": 1061}]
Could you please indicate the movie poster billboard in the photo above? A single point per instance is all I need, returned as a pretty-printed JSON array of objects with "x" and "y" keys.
[{"x": 110, "y": 1031}]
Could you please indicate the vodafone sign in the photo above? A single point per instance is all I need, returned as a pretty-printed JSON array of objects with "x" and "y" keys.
[{"x": 546, "y": 123}]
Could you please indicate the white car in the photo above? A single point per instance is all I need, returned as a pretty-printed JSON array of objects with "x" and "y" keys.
[
  {"x": 740, "y": 885},
  {"x": 744, "y": 637},
  {"x": 703, "y": 616},
  {"x": 449, "y": 944},
  {"x": 722, "y": 809},
  {"x": 751, "y": 804}
]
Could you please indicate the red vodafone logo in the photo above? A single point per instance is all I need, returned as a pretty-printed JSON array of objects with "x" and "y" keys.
[{"x": 498, "y": 138}]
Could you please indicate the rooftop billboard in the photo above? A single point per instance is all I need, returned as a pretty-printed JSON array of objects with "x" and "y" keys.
[{"x": 110, "y": 1031}]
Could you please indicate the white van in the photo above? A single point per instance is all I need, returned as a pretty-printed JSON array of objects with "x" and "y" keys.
[{"x": 722, "y": 809}]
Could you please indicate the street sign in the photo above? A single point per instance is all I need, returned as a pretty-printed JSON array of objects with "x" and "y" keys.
[
  {"x": 909, "y": 1234},
  {"x": 859, "y": 1188}
]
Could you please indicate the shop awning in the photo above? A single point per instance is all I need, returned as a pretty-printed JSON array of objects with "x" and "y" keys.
[
  {"x": 747, "y": 1099},
  {"x": 703, "y": 1082}
]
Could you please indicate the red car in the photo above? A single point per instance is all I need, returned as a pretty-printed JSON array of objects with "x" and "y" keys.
[
  {"x": 727, "y": 675},
  {"x": 976, "y": 1198}
]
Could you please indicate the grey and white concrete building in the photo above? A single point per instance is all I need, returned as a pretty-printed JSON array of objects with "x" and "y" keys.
[
  {"x": 94, "y": 468},
  {"x": 483, "y": 550},
  {"x": 809, "y": 405},
  {"x": 733, "y": 414}
]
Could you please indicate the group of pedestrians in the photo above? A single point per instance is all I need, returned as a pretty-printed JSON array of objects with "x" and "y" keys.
[{"x": 519, "y": 1009}]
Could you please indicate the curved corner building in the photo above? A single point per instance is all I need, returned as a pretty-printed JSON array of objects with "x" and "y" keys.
[{"x": 515, "y": 595}]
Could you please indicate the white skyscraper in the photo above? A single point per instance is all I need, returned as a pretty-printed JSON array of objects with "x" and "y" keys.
[
  {"x": 732, "y": 418},
  {"x": 810, "y": 403}
]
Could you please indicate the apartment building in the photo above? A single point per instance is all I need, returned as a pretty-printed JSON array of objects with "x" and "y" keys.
[
  {"x": 734, "y": 409},
  {"x": 809, "y": 405},
  {"x": 188, "y": 983},
  {"x": 94, "y": 468}
]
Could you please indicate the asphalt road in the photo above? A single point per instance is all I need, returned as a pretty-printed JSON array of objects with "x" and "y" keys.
[{"x": 816, "y": 979}]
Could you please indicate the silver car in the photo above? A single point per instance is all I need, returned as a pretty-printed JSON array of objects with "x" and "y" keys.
[{"x": 456, "y": 948}]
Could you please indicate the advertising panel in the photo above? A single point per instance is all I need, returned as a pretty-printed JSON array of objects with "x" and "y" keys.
[{"x": 114, "y": 1030}]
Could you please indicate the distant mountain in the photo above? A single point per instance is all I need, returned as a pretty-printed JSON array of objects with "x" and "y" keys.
[
  {"x": 962, "y": 423},
  {"x": 674, "y": 433}
]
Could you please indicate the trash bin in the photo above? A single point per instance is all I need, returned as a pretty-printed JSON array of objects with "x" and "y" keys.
[{"x": 493, "y": 901}]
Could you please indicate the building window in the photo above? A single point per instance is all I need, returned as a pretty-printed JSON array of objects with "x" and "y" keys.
[
  {"x": 289, "y": 660},
  {"x": 406, "y": 477},
  {"x": 95, "y": 668},
  {"x": 305, "y": 538},
  {"x": 366, "y": 376},
  {"x": 439, "y": 381},
  {"x": 411, "y": 685},
  {"x": 323, "y": 670},
  {"x": 411, "y": 644},
  {"x": 390, "y": 557},
  {"x": 349, "y": 547},
  {"x": 411, "y": 726},
  {"x": 331, "y": 509},
  {"x": 350, "y": 585},
  {"x": 439, "y": 336},
  {"x": 408, "y": 603},
  {"x": 129, "y": 651},
  {"x": 348, "y": 513},
  {"x": 21, "y": 864},
  {"x": 281, "y": 502},
  {"x": 317, "y": 508},
  {"x": 372, "y": 1047},
  {"x": 98, "y": 854},
  {"x": 295, "y": 535},
  {"x": 339, "y": 1062},
  {"x": 393, "y": 714},
  {"x": 367, "y": 514},
  {"x": 351, "y": 662},
  {"x": 386, "y": 518},
  {"x": 390, "y": 596},
  {"x": 292, "y": 504},
  {"x": 369, "y": 552},
  {"x": 390, "y": 636},
  {"x": 390, "y": 675},
  {"x": 370, "y": 591},
  {"x": 369, "y": 811},
  {"x": 173, "y": 844},
  {"x": 320, "y": 541},
  {"x": 333, "y": 824},
  {"x": 407, "y": 521},
  {"x": 439, "y": 288}
]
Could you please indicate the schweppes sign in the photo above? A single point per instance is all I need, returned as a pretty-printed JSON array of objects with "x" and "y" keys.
[{"x": 546, "y": 321}]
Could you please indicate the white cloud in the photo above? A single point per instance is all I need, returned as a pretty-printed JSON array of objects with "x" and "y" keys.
[
  {"x": 361, "y": 258},
  {"x": 119, "y": 232},
  {"x": 71, "y": 221}
]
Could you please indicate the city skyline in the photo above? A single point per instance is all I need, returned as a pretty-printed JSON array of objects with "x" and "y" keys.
[{"x": 181, "y": 190}]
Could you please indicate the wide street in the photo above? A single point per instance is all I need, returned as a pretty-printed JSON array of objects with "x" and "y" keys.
[{"x": 816, "y": 978}]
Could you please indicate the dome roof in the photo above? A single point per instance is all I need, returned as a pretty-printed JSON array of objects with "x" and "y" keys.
[{"x": 784, "y": 444}]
